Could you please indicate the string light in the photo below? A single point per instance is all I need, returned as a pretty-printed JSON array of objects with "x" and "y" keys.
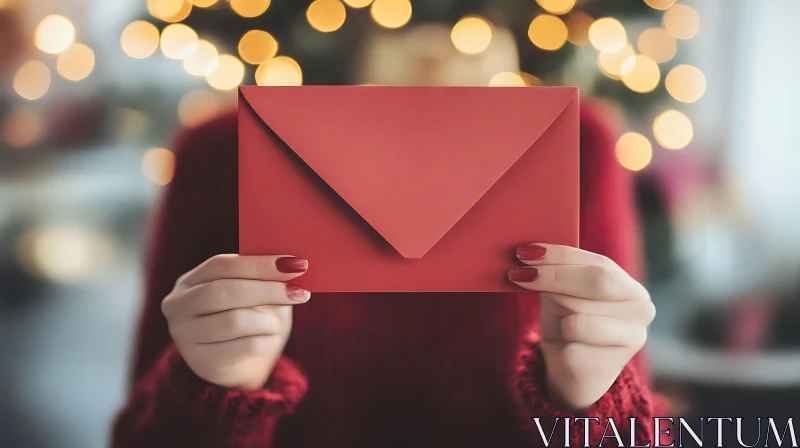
[
  {"x": 548, "y": 32},
  {"x": 22, "y": 127},
  {"x": 257, "y": 46},
  {"x": 178, "y": 41},
  {"x": 358, "y": 3},
  {"x": 279, "y": 71},
  {"x": 657, "y": 44},
  {"x": 557, "y": 7},
  {"x": 660, "y": 4},
  {"x": 228, "y": 74},
  {"x": 203, "y": 60},
  {"x": 32, "y": 80},
  {"x": 139, "y": 39},
  {"x": 640, "y": 73},
  {"x": 54, "y": 34},
  {"x": 76, "y": 63},
  {"x": 611, "y": 63},
  {"x": 607, "y": 35},
  {"x": 326, "y": 15},
  {"x": 197, "y": 107},
  {"x": 158, "y": 165},
  {"x": 578, "y": 23},
  {"x": 686, "y": 83},
  {"x": 673, "y": 130},
  {"x": 250, "y": 8},
  {"x": 471, "y": 35},
  {"x": 682, "y": 21},
  {"x": 203, "y": 3},
  {"x": 634, "y": 151},
  {"x": 507, "y": 79},
  {"x": 391, "y": 13}
]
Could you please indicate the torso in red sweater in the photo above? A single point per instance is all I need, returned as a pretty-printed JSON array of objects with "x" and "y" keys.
[{"x": 395, "y": 370}]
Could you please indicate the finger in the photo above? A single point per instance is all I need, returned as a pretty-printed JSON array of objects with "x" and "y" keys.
[
  {"x": 540, "y": 253},
  {"x": 642, "y": 311},
  {"x": 267, "y": 267},
  {"x": 229, "y": 325},
  {"x": 584, "y": 281},
  {"x": 603, "y": 331},
  {"x": 223, "y": 295},
  {"x": 244, "y": 348}
]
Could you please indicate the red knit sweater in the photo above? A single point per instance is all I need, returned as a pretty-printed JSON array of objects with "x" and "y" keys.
[{"x": 397, "y": 370}]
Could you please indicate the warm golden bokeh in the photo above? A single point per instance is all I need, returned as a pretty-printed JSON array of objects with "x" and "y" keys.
[
  {"x": 507, "y": 79},
  {"x": 557, "y": 7},
  {"x": 203, "y": 3},
  {"x": 634, "y": 151},
  {"x": 531, "y": 80},
  {"x": 32, "y": 80},
  {"x": 640, "y": 73},
  {"x": 279, "y": 71},
  {"x": 578, "y": 23},
  {"x": 66, "y": 253},
  {"x": 197, "y": 107},
  {"x": 139, "y": 39},
  {"x": 169, "y": 10},
  {"x": 158, "y": 165},
  {"x": 471, "y": 35},
  {"x": 548, "y": 32},
  {"x": 257, "y": 46},
  {"x": 178, "y": 41},
  {"x": 326, "y": 15},
  {"x": 249, "y": 8},
  {"x": 660, "y": 4},
  {"x": 657, "y": 44},
  {"x": 608, "y": 35},
  {"x": 22, "y": 128},
  {"x": 54, "y": 34},
  {"x": 686, "y": 83},
  {"x": 611, "y": 63},
  {"x": 203, "y": 60},
  {"x": 391, "y": 13},
  {"x": 682, "y": 21},
  {"x": 673, "y": 130},
  {"x": 358, "y": 3},
  {"x": 228, "y": 74},
  {"x": 76, "y": 63}
]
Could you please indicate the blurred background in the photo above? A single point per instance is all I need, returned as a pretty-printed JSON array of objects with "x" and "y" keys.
[{"x": 704, "y": 96}]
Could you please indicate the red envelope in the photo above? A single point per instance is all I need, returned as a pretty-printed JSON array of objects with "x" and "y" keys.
[{"x": 407, "y": 189}]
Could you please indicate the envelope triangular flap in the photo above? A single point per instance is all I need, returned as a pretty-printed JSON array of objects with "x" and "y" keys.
[{"x": 410, "y": 160}]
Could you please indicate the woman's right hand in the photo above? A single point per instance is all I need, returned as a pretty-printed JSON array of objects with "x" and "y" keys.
[{"x": 231, "y": 316}]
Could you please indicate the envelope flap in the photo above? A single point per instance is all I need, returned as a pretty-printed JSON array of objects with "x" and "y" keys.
[{"x": 410, "y": 160}]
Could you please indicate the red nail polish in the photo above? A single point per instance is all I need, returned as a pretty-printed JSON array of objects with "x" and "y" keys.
[
  {"x": 297, "y": 294},
  {"x": 523, "y": 275},
  {"x": 291, "y": 265},
  {"x": 531, "y": 252}
]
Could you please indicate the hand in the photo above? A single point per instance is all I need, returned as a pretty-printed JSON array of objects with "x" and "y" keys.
[
  {"x": 594, "y": 318},
  {"x": 230, "y": 317}
]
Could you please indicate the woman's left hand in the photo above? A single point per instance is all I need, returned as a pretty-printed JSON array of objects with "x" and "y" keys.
[{"x": 594, "y": 318}]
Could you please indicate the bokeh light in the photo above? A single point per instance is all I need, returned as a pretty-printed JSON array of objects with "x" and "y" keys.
[
  {"x": 54, "y": 34},
  {"x": 660, "y": 4},
  {"x": 32, "y": 80},
  {"x": 66, "y": 253},
  {"x": 76, "y": 63},
  {"x": 198, "y": 106},
  {"x": 640, "y": 73},
  {"x": 228, "y": 74},
  {"x": 507, "y": 79},
  {"x": 279, "y": 71},
  {"x": 686, "y": 83},
  {"x": 203, "y": 60},
  {"x": 471, "y": 35},
  {"x": 358, "y": 3},
  {"x": 682, "y": 21},
  {"x": 178, "y": 41},
  {"x": 22, "y": 128},
  {"x": 203, "y": 3},
  {"x": 673, "y": 130},
  {"x": 391, "y": 13},
  {"x": 169, "y": 10},
  {"x": 548, "y": 32},
  {"x": 611, "y": 63},
  {"x": 326, "y": 15},
  {"x": 607, "y": 35},
  {"x": 139, "y": 39},
  {"x": 256, "y": 46},
  {"x": 530, "y": 80},
  {"x": 634, "y": 151},
  {"x": 158, "y": 165},
  {"x": 657, "y": 44},
  {"x": 556, "y": 6},
  {"x": 249, "y": 8},
  {"x": 578, "y": 23}
]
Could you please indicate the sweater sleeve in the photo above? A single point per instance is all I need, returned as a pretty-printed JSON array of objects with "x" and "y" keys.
[{"x": 168, "y": 405}]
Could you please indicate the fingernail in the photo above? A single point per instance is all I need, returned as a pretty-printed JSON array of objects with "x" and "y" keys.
[
  {"x": 523, "y": 275},
  {"x": 291, "y": 265},
  {"x": 531, "y": 252},
  {"x": 297, "y": 294}
]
